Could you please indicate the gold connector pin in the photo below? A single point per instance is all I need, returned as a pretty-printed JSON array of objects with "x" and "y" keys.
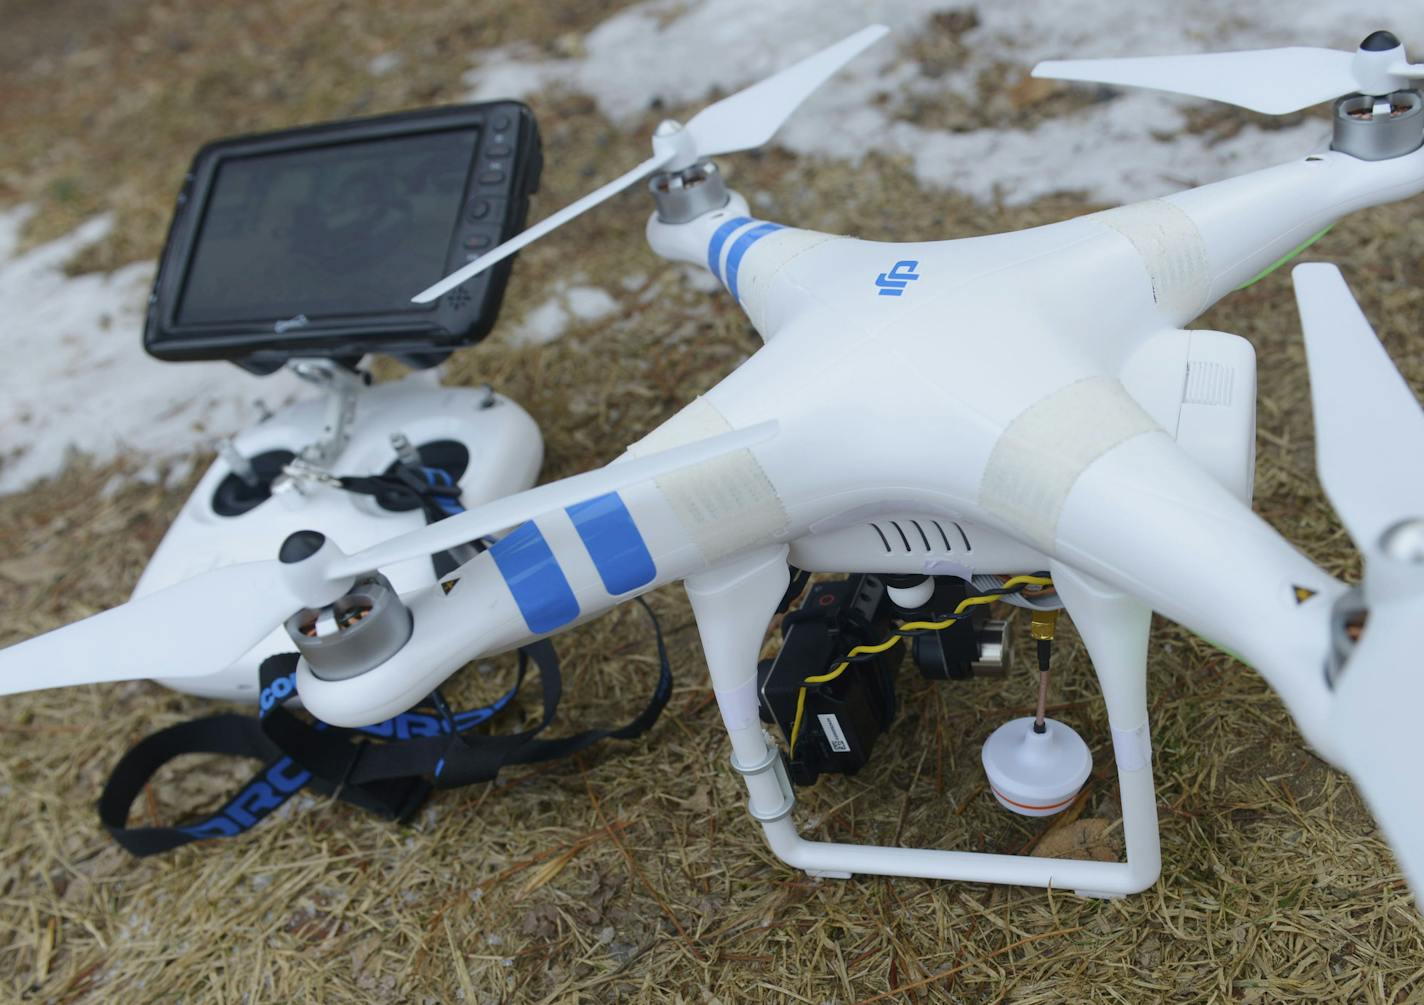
[{"x": 1042, "y": 625}]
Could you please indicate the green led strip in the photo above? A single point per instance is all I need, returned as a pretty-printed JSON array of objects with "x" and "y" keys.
[{"x": 1286, "y": 257}]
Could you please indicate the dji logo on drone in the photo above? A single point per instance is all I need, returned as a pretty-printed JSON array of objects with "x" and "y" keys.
[{"x": 893, "y": 283}]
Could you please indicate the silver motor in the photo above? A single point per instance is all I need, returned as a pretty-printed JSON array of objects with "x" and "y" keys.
[
  {"x": 687, "y": 194},
  {"x": 355, "y": 633},
  {"x": 1378, "y": 128}
]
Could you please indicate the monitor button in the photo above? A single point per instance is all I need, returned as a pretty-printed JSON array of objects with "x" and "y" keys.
[
  {"x": 498, "y": 150},
  {"x": 500, "y": 121},
  {"x": 479, "y": 209},
  {"x": 492, "y": 176},
  {"x": 476, "y": 242}
]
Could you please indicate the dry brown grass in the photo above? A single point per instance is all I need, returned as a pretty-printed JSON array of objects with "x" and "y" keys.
[{"x": 638, "y": 877}]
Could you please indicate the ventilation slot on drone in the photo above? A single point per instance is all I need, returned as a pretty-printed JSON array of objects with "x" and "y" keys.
[
  {"x": 919, "y": 535},
  {"x": 1208, "y": 383}
]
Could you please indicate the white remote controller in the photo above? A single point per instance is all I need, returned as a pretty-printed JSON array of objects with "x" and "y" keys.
[{"x": 492, "y": 443}]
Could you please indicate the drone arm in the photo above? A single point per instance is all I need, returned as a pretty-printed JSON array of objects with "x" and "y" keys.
[
  {"x": 1148, "y": 521},
  {"x": 1221, "y": 236},
  {"x": 477, "y": 617},
  {"x": 571, "y": 562},
  {"x": 539, "y": 580},
  {"x": 690, "y": 241},
  {"x": 748, "y": 257}
]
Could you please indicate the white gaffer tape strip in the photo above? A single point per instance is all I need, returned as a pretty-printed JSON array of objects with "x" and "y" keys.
[
  {"x": 1133, "y": 748},
  {"x": 1041, "y": 453},
  {"x": 725, "y": 504},
  {"x": 767, "y": 259},
  {"x": 1173, "y": 251}
]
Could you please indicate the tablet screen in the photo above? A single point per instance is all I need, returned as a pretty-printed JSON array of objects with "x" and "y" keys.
[{"x": 345, "y": 229}]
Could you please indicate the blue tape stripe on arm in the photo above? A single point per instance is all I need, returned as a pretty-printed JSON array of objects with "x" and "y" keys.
[
  {"x": 740, "y": 247},
  {"x": 613, "y": 542},
  {"x": 533, "y": 575},
  {"x": 719, "y": 238}
]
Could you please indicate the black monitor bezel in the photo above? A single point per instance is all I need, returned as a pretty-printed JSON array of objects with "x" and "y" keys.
[{"x": 421, "y": 334}]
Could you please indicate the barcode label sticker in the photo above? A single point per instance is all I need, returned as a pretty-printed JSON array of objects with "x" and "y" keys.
[{"x": 831, "y": 727}]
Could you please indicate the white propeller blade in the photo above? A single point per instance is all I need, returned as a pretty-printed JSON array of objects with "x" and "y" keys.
[
  {"x": 501, "y": 513},
  {"x": 1375, "y": 718},
  {"x": 194, "y": 628},
  {"x": 1274, "y": 81},
  {"x": 1369, "y": 430},
  {"x": 541, "y": 228},
  {"x": 752, "y": 116},
  {"x": 744, "y": 120}
]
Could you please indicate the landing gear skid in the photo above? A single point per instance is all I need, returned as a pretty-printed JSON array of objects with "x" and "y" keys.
[{"x": 734, "y": 604}]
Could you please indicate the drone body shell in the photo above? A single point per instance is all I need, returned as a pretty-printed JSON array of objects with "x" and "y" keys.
[{"x": 1038, "y": 328}]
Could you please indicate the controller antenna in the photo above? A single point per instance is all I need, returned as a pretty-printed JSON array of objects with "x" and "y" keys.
[
  {"x": 405, "y": 451},
  {"x": 240, "y": 465}
]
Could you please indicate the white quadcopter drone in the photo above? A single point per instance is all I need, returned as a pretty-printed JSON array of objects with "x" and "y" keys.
[{"x": 1071, "y": 425}]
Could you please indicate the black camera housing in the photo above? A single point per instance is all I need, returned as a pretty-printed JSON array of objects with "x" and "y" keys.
[
  {"x": 956, "y": 652},
  {"x": 842, "y": 718},
  {"x": 355, "y": 217}
]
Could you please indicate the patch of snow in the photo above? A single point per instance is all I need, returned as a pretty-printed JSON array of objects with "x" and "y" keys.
[
  {"x": 589, "y": 303},
  {"x": 76, "y": 378},
  {"x": 178, "y": 473},
  {"x": 542, "y": 324},
  {"x": 552, "y": 318},
  {"x": 1120, "y": 150},
  {"x": 383, "y": 63}
]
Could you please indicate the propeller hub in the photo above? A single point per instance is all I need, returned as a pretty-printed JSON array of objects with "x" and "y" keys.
[
  {"x": 308, "y": 558},
  {"x": 1379, "y": 65},
  {"x": 674, "y": 146},
  {"x": 1380, "y": 41},
  {"x": 300, "y": 546},
  {"x": 1404, "y": 542}
]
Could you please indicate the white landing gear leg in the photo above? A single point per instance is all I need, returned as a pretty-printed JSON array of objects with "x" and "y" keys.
[
  {"x": 734, "y": 605},
  {"x": 1114, "y": 629}
]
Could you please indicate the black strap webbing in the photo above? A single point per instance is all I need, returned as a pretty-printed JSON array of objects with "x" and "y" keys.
[{"x": 388, "y": 768}]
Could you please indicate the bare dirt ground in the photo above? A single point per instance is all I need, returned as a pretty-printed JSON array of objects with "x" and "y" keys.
[{"x": 635, "y": 875}]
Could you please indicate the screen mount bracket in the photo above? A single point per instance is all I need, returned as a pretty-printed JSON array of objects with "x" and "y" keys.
[{"x": 342, "y": 385}]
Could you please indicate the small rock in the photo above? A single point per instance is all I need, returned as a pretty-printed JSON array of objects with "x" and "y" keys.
[{"x": 1085, "y": 839}]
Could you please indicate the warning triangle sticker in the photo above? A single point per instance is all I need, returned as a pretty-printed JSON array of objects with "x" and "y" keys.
[
  {"x": 449, "y": 585},
  {"x": 1302, "y": 593}
]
